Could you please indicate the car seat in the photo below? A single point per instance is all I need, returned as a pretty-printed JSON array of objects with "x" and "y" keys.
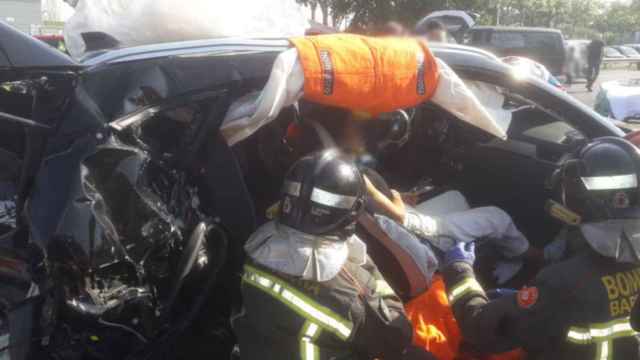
[{"x": 395, "y": 262}]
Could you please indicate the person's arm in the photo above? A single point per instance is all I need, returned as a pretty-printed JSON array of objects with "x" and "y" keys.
[
  {"x": 528, "y": 318},
  {"x": 395, "y": 206},
  {"x": 385, "y": 331},
  {"x": 419, "y": 224}
]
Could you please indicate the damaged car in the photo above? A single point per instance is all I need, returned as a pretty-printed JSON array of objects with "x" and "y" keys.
[{"x": 128, "y": 189}]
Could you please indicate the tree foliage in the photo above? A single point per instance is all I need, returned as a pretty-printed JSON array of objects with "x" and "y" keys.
[{"x": 576, "y": 18}]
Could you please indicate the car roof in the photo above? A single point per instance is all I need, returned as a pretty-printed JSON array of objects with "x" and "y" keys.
[
  {"x": 462, "y": 59},
  {"x": 515, "y": 28},
  {"x": 184, "y": 48},
  {"x": 456, "y": 54}
]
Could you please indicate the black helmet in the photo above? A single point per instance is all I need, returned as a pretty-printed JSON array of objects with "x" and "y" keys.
[
  {"x": 600, "y": 181},
  {"x": 322, "y": 194}
]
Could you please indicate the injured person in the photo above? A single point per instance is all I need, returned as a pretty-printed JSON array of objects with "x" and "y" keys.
[{"x": 439, "y": 231}]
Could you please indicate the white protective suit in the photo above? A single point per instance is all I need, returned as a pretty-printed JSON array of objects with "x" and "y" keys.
[{"x": 311, "y": 257}]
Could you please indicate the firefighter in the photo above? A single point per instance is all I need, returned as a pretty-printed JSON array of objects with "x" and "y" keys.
[
  {"x": 310, "y": 291},
  {"x": 578, "y": 307}
]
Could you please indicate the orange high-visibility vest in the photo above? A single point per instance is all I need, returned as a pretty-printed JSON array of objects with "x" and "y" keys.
[{"x": 366, "y": 74}]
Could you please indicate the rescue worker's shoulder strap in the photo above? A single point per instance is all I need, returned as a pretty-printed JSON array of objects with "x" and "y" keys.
[{"x": 298, "y": 302}]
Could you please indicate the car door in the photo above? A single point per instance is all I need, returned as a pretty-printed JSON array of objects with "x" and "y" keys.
[
  {"x": 545, "y": 126},
  {"x": 35, "y": 80}
]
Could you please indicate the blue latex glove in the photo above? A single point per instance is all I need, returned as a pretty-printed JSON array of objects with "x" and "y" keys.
[
  {"x": 461, "y": 252},
  {"x": 498, "y": 293}
]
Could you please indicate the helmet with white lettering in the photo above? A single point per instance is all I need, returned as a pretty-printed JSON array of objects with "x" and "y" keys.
[
  {"x": 600, "y": 181},
  {"x": 600, "y": 184},
  {"x": 323, "y": 194}
]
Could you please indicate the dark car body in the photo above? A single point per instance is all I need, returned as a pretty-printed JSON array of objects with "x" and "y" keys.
[
  {"x": 114, "y": 150},
  {"x": 545, "y": 46}
]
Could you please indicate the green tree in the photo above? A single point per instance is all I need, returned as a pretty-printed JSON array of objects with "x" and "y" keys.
[
  {"x": 368, "y": 13},
  {"x": 576, "y": 18},
  {"x": 325, "y": 7}
]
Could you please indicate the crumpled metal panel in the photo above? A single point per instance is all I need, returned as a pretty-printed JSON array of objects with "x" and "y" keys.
[
  {"x": 128, "y": 219},
  {"x": 124, "y": 206}
]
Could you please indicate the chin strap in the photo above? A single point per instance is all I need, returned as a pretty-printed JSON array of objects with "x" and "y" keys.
[{"x": 562, "y": 213}]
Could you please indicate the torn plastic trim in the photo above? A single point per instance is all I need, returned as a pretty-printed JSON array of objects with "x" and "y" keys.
[{"x": 26, "y": 122}]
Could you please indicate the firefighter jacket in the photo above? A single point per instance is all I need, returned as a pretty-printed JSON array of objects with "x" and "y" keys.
[
  {"x": 354, "y": 315},
  {"x": 577, "y": 308}
]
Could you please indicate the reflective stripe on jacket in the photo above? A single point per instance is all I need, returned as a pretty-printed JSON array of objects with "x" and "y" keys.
[
  {"x": 354, "y": 315},
  {"x": 575, "y": 309}
]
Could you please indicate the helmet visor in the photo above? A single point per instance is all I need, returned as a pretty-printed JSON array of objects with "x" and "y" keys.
[{"x": 614, "y": 182}]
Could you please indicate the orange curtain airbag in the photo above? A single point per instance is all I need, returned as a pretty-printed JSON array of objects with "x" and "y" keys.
[{"x": 372, "y": 75}]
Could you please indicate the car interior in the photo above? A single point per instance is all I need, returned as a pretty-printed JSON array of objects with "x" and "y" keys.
[
  {"x": 440, "y": 163},
  {"x": 425, "y": 153},
  {"x": 433, "y": 157}
]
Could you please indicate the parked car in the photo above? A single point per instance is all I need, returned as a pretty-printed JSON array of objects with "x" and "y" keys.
[
  {"x": 457, "y": 22},
  {"x": 132, "y": 208},
  {"x": 545, "y": 46},
  {"x": 636, "y": 47},
  {"x": 627, "y": 51},
  {"x": 613, "y": 53}
]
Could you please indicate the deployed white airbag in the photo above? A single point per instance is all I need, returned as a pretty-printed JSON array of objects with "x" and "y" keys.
[
  {"x": 143, "y": 22},
  {"x": 454, "y": 96},
  {"x": 249, "y": 113}
]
